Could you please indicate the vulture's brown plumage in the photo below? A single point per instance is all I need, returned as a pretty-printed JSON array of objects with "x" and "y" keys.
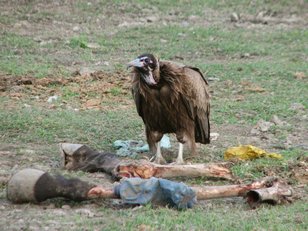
[{"x": 171, "y": 98}]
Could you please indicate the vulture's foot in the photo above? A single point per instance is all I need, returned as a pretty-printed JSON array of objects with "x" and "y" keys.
[
  {"x": 179, "y": 161},
  {"x": 158, "y": 160}
]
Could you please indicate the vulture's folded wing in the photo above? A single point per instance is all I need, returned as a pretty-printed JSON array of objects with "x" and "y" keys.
[
  {"x": 137, "y": 99},
  {"x": 195, "y": 97}
]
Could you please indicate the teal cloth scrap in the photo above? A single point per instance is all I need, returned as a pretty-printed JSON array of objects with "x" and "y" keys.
[{"x": 130, "y": 148}]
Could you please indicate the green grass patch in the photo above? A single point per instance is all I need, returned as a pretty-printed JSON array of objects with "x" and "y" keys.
[
  {"x": 97, "y": 129},
  {"x": 80, "y": 42}
]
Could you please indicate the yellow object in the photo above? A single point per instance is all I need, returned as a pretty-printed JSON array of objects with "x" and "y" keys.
[{"x": 248, "y": 152}]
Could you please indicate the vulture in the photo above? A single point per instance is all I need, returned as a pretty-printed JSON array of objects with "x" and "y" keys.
[{"x": 171, "y": 98}]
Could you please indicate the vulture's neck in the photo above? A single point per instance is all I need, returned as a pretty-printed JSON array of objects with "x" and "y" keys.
[{"x": 155, "y": 74}]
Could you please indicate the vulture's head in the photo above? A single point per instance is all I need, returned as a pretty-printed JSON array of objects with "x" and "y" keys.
[{"x": 148, "y": 67}]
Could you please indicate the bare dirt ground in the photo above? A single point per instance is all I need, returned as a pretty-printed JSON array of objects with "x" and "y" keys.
[{"x": 50, "y": 29}]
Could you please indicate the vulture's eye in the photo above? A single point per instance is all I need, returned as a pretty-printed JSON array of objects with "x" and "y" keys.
[{"x": 147, "y": 61}]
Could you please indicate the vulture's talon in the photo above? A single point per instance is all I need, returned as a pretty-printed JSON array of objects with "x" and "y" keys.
[
  {"x": 179, "y": 162},
  {"x": 160, "y": 160}
]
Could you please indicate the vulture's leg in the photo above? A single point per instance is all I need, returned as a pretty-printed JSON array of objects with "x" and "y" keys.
[
  {"x": 185, "y": 137},
  {"x": 179, "y": 159},
  {"x": 153, "y": 139},
  {"x": 159, "y": 159}
]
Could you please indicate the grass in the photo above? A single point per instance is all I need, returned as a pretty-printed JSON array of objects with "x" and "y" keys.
[
  {"x": 243, "y": 59},
  {"x": 211, "y": 217},
  {"x": 38, "y": 125},
  {"x": 215, "y": 219}
]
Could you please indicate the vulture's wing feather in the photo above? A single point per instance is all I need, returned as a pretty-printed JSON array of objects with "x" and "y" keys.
[
  {"x": 196, "y": 100},
  {"x": 137, "y": 97},
  {"x": 198, "y": 70}
]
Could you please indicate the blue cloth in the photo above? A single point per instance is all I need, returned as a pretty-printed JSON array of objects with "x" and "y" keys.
[
  {"x": 130, "y": 148},
  {"x": 157, "y": 191}
]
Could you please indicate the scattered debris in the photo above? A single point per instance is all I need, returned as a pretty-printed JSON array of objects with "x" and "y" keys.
[
  {"x": 84, "y": 85},
  {"x": 132, "y": 147},
  {"x": 81, "y": 157},
  {"x": 138, "y": 191},
  {"x": 299, "y": 75},
  {"x": 248, "y": 152},
  {"x": 278, "y": 193}
]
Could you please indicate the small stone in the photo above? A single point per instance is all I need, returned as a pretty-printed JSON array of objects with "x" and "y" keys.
[
  {"x": 86, "y": 212},
  {"x": 261, "y": 126},
  {"x": 85, "y": 71},
  {"x": 144, "y": 227},
  {"x": 264, "y": 126},
  {"x": 245, "y": 55},
  {"x": 76, "y": 28},
  {"x": 193, "y": 18},
  {"x": 234, "y": 17},
  {"x": 27, "y": 151},
  {"x": 37, "y": 39},
  {"x": 299, "y": 75},
  {"x": 239, "y": 98},
  {"x": 213, "y": 79},
  {"x": 255, "y": 131},
  {"x": 66, "y": 207},
  {"x": 123, "y": 24},
  {"x": 297, "y": 107},
  {"x": 45, "y": 42},
  {"x": 52, "y": 99},
  {"x": 51, "y": 206},
  {"x": 261, "y": 14},
  {"x": 277, "y": 121},
  {"x": 185, "y": 24},
  {"x": 214, "y": 135},
  {"x": 151, "y": 19},
  {"x": 59, "y": 212},
  {"x": 93, "y": 45}
]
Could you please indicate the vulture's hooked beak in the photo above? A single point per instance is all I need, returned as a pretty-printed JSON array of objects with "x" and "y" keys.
[{"x": 135, "y": 63}]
